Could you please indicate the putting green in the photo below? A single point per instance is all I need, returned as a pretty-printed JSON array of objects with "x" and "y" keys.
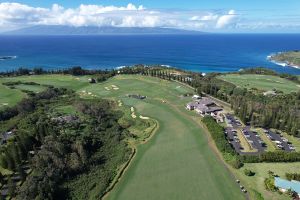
[{"x": 177, "y": 162}]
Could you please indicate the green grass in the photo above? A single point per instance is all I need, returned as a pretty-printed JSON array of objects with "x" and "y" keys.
[
  {"x": 270, "y": 145},
  {"x": 256, "y": 182},
  {"x": 66, "y": 81},
  {"x": 177, "y": 162},
  {"x": 9, "y": 97},
  {"x": 65, "y": 110},
  {"x": 261, "y": 82},
  {"x": 33, "y": 88}
]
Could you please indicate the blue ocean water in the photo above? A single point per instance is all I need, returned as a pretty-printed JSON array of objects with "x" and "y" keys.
[{"x": 205, "y": 53}]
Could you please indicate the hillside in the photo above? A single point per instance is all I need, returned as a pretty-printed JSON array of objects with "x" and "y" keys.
[{"x": 290, "y": 58}]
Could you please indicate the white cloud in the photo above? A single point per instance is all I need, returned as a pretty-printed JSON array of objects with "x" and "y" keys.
[
  {"x": 226, "y": 20},
  {"x": 17, "y": 15},
  {"x": 208, "y": 17}
]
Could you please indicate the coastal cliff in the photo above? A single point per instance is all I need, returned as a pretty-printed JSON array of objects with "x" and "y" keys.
[{"x": 289, "y": 58}]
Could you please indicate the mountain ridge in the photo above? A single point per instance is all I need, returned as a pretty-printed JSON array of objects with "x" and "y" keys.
[{"x": 93, "y": 30}]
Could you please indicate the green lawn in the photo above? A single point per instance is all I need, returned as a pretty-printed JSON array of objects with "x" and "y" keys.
[
  {"x": 261, "y": 169},
  {"x": 9, "y": 97},
  {"x": 177, "y": 162},
  {"x": 33, "y": 88},
  {"x": 261, "y": 82},
  {"x": 56, "y": 80}
]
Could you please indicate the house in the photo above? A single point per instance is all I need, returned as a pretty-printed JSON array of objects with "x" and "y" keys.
[{"x": 285, "y": 185}]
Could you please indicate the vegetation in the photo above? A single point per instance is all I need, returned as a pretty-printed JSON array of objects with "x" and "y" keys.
[
  {"x": 293, "y": 176},
  {"x": 248, "y": 172},
  {"x": 270, "y": 184},
  {"x": 82, "y": 149},
  {"x": 172, "y": 156},
  {"x": 290, "y": 57},
  {"x": 276, "y": 156},
  {"x": 217, "y": 133},
  {"x": 259, "y": 83},
  {"x": 56, "y": 145},
  {"x": 164, "y": 104},
  {"x": 279, "y": 112},
  {"x": 255, "y": 184}
]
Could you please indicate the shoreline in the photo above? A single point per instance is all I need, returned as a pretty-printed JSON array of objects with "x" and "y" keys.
[{"x": 281, "y": 63}]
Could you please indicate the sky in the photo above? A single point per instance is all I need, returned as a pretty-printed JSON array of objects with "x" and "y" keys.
[{"x": 228, "y": 16}]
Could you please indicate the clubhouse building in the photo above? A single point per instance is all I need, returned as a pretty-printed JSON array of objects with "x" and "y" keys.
[{"x": 205, "y": 106}]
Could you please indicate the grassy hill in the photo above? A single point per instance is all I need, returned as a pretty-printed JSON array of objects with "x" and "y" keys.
[{"x": 261, "y": 82}]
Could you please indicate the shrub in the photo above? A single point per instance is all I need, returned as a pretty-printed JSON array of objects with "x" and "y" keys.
[
  {"x": 269, "y": 184},
  {"x": 293, "y": 176},
  {"x": 236, "y": 163},
  {"x": 248, "y": 172}
]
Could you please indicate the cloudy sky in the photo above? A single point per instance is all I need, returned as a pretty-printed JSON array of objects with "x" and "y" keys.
[{"x": 203, "y": 15}]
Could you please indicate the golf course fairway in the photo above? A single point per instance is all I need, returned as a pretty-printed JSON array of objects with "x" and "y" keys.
[{"x": 177, "y": 163}]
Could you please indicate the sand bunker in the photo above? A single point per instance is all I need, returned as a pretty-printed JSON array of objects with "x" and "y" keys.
[
  {"x": 132, "y": 113},
  {"x": 120, "y": 103},
  {"x": 107, "y": 88},
  {"x": 142, "y": 117},
  {"x": 114, "y": 87}
]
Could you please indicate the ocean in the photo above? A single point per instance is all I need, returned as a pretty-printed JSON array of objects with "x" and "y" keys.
[{"x": 201, "y": 53}]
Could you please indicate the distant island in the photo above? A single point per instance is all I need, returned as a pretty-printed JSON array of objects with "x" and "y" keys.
[
  {"x": 94, "y": 30},
  {"x": 7, "y": 57},
  {"x": 289, "y": 58}
]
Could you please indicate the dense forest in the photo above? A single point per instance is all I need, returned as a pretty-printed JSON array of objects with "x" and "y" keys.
[{"x": 65, "y": 156}]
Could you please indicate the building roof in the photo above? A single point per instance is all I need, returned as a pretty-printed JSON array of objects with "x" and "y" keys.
[
  {"x": 202, "y": 108},
  {"x": 214, "y": 109},
  {"x": 285, "y": 184},
  {"x": 206, "y": 101}
]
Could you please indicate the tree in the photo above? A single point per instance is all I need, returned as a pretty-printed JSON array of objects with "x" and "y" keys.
[
  {"x": 11, "y": 187},
  {"x": 3, "y": 161},
  {"x": 248, "y": 172}
]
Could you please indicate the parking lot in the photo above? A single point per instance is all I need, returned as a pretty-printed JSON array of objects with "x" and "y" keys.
[
  {"x": 232, "y": 121},
  {"x": 234, "y": 141},
  {"x": 254, "y": 139},
  {"x": 280, "y": 142}
]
